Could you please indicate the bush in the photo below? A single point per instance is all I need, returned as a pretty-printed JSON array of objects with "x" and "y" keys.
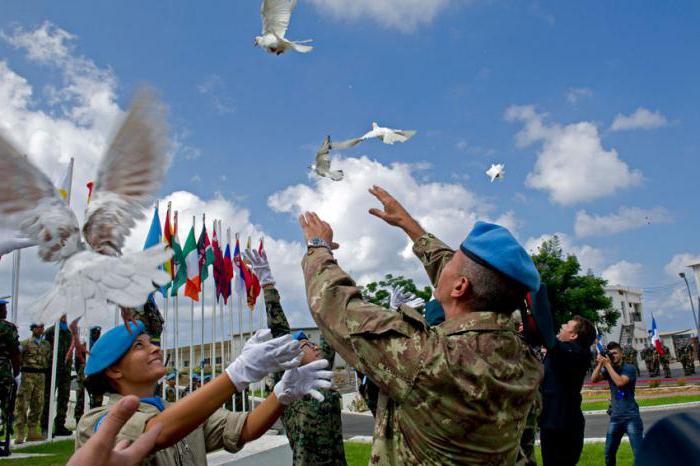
[
  {"x": 654, "y": 384},
  {"x": 682, "y": 382}
]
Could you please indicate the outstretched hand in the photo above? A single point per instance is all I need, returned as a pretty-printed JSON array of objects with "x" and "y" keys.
[
  {"x": 314, "y": 227},
  {"x": 100, "y": 449},
  {"x": 395, "y": 214}
]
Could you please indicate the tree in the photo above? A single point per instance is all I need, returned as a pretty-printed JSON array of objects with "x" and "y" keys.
[
  {"x": 380, "y": 292},
  {"x": 570, "y": 292}
]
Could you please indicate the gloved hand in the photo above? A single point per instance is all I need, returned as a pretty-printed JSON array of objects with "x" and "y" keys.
[
  {"x": 262, "y": 355},
  {"x": 301, "y": 381},
  {"x": 18, "y": 379},
  {"x": 399, "y": 297},
  {"x": 260, "y": 265}
]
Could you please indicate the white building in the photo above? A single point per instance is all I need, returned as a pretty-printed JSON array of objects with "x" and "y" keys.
[{"x": 630, "y": 328}]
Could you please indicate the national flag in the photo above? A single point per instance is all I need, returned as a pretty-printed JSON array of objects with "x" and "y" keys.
[
  {"x": 192, "y": 285},
  {"x": 655, "y": 340},
  {"x": 239, "y": 281},
  {"x": 205, "y": 254},
  {"x": 179, "y": 264},
  {"x": 260, "y": 247},
  {"x": 168, "y": 240},
  {"x": 228, "y": 272},
  {"x": 64, "y": 187},
  {"x": 252, "y": 284},
  {"x": 90, "y": 186},
  {"x": 599, "y": 343},
  {"x": 154, "y": 237},
  {"x": 219, "y": 272}
]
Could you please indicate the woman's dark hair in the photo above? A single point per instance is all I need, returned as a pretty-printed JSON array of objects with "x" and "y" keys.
[{"x": 98, "y": 384}]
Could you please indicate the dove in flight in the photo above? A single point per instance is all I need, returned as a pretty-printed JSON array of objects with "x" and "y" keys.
[
  {"x": 387, "y": 135},
  {"x": 275, "y": 18},
  {"x": 496, "y": 171},
  {"x": 93, "y": 273},
  {"x": 322, "y": 166}
]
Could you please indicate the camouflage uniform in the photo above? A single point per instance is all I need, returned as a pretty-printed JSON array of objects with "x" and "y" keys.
[
  {"x": 63, "y": 377},
  {"x": 526, "y": 455},
  {"x": 664, "y": 360},
  {"x": 630, "y": 357},
  {"x": 686, "y": 356},
  {"x": 655, "y": 368},
  {"x": 35, "y": 363},
  {"x": 457, "y": 393},
  {"x": 646, "y": 356},
  {"x": 313, "y": 428},
  {"x": 95, "y": 401},
  {"x": 151, "y": 318},
  {"x": 9, "y": 359}
]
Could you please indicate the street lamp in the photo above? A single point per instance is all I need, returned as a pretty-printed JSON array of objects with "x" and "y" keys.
[{"x": 692, "y": 306}]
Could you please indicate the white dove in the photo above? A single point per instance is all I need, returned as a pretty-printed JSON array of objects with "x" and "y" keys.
[
  {"x": 322, "y": 167},
  {"x": 387, "y": 135},
  {"x": 95, "y": 274},
  {"x": 275, "y": 18},
  {"x": 496, "y": 171}
]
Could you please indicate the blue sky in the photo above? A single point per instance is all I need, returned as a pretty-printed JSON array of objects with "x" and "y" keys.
[{"x": 247, "y": 123}]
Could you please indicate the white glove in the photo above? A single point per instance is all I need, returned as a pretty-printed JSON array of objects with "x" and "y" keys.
[
  {"x": 399, "y": 297},
  {"x": 301, "y": 381},
  {"x": 261, "y": 355},
  {"x": 261, "y": 266},
  {"x": 18, "y": 379}
]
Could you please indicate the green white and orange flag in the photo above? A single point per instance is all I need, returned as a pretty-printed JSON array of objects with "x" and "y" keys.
[
  {"x": 193, "y": 284},
  {"x": 179, "y": 264}
]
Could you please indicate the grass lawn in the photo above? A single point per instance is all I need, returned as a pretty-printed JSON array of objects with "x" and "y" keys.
[
  {"x": 357, "y": 454},
  {"x": 60, "y": 452},
  {"x": 596, "y": 405}
]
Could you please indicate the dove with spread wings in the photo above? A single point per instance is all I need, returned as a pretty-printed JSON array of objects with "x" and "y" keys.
[
  {"x": 322, "y": 165},
  {"x": 93, "y": 272},
  {"x": 275, "y": 16}
]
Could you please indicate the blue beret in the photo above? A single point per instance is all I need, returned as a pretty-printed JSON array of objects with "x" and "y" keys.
[
  {"x": 111, "y": 347},
  {"x": 493, "y": 246},
  {"x": 195, "y": 377},
  {"x": 4, "y": 301},
  {"x": 299, "y": 335},
  {"x": 434, "y": 313},
  {"x": 170, "y": 376}
]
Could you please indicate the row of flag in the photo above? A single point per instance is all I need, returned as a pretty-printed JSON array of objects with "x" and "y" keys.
[{"x": 189, "y": 266}]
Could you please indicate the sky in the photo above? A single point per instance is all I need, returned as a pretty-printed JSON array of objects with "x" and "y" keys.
[{"x": 592, "y": 107}]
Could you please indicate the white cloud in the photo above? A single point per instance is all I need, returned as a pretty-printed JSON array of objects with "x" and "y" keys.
[
  {"x": 369, "y": 247},
  {"x": 404, "y": 15},
  {"x": 572, "y": 165},
  {"x": 216, "y": 90},
  {"x": 680, "y": 262},
  {"x": 624, "y": 273},
  {"x": 578, "y": 93},
  {"x": 588, "y": 256},
  {"x": 640, "y": 119},
  {"x": 626, "y": 218}
]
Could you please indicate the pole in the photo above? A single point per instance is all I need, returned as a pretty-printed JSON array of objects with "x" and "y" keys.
[
  {"x": 201, "y": 340},
  {"x": 192, "y": 330},
  {"x": 215, "y": 296},
  {"x": 52, "y": 386},
  {"x": 164, "y": 341},
  {"x": 15, "y": 284},
  {"x": 692, "y": 305}
]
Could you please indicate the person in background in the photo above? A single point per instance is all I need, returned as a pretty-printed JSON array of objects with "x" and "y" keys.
[
  {"x": 35, "y": 363},
  {"x": 10, "y": 363},
  {"x": 63, "y": 379}
]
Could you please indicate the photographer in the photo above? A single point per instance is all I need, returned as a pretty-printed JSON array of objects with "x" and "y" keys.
[{"x": 624, "y": 411}]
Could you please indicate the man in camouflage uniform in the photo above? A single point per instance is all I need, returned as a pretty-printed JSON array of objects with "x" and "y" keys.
[
  {"x": 35, "y": 363},
  {"x": 665, "y": 362},
  {"x": 630, "y": 357},
  {"x": 94, "y": 401},
  {"x": 152, "y": 319},
  {"x": 313, "y": 427},
  {"x": 457, "y": 393},
  {"x": 63, "y": 379},
  {"x": 655, "y": 367},
  {"x": 646, "y": 356},
  {"x": 10, "y": 361}
]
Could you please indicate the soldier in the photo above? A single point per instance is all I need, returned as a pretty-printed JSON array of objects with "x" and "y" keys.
[
  {"x": 313, "y": 427},
  {"x": 171, "y": 387},
  {"x": 691, "y": 358},
  {"x": 95, "y": 400},
  {"x": 35, "y": 362},
  {"x": 664, "y": 360},
  {"x": 151, "y": 317},
  {"x": 656, "y": 371},
  {"x": 10, "y": 361},
  {"x": 63, "y": 379},
  {"x": 630, "y": 357},
  {"x": 458, "y": 393},
  {"x": 647, "y": 357}
]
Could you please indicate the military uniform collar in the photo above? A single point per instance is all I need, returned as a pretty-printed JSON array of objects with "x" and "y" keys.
[{"x": 477, "y": 321}]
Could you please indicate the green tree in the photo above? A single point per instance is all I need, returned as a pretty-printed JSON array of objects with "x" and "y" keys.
[
  {"x": 570, "y": 292},
  {"x": 380, "y": 292}
]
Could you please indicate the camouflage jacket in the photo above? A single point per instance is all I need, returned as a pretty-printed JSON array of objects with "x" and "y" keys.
[
  {"x": 64, "y": 341},
  {"x": 314, "y": 428},
  {"x": 457, "y": 393},
  {"x": 9, "y": 346},
  {"x": 36, "y": 355}
]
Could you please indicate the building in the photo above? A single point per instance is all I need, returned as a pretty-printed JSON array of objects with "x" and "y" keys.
[{"x": 630, "y": 328}]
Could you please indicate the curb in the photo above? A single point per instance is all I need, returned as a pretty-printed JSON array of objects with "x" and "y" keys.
[{"x": 645, "y": 409}]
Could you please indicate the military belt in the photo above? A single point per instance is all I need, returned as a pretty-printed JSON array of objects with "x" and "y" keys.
[{"x": 33, "y": 370}]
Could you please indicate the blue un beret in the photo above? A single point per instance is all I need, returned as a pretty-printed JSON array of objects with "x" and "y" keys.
[
  {"x": 493, "y": 246},
  {"x": 4, "y": 301},
  {"x": 299, "y": 335},
  {"x": 111, "y": 347}
]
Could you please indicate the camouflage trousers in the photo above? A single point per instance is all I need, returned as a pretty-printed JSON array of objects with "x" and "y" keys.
[
  {"x": 30, "y": 396},
  {"x": 6, "y": 386},
  {"x": 526, "y": 454},
  {"x": 95, "y": 401},
  {"x": 63, "y": 393}
]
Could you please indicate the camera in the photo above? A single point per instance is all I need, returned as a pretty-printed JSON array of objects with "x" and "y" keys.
[{"x": 605, "y": 353}]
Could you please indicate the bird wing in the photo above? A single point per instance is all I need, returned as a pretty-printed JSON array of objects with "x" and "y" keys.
[
  {"x": 397, "y": 135},
  {"x": 88, "y": 282},
  {"x": 275, "y": 16},
  {"x": 29, "y": 201},
  {"x": 348, "y": 143},
  {"x": 323, "y": 159},
  {"x": 129, "y": 175},
  {"x": 335, "y": 175}
]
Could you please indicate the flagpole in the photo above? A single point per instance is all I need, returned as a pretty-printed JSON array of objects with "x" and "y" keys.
[
  {"x": 213, "y": 318},
  {"x": 166, "y": 327},
  {"x": 240, "y": 323},
  {"x": 231, "y": 334},
  {"x": 52, "y": 386},
  {"x": 250, "y": 326},
  {"x": 166, "y": 332},
  {"x": 177, "y": 330},
  {"x": 221, "y": 312},
  {"x": 192, "y": 327},
  {"x": 201, "y": 285},
  {"x": 15, "y": 284}
]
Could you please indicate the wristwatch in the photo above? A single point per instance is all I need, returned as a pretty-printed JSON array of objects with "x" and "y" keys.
[{"x": 318, "y": 243}]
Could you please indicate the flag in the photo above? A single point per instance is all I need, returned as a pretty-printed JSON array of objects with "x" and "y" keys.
[
  {"x": 205, "y": 254},
  {"x": 260, "y": 247},
  {"x": 90, "y": 186},
  {"x": 192, "y": 285},
  {"x": 219, "y": 273},
  {"x": 228, "y": 272},
  {"x": 599, "y": 343},
  {"x": 179, "y": 264},
  {"x": 153, "y": 238},
  {"x": 239, "y": 282},
  {"x": 168, "y": 240},
  {"x": 65, "y": 184},
  {"x": 655, "y": 340},
  {"x": 250, "y": 281}
]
